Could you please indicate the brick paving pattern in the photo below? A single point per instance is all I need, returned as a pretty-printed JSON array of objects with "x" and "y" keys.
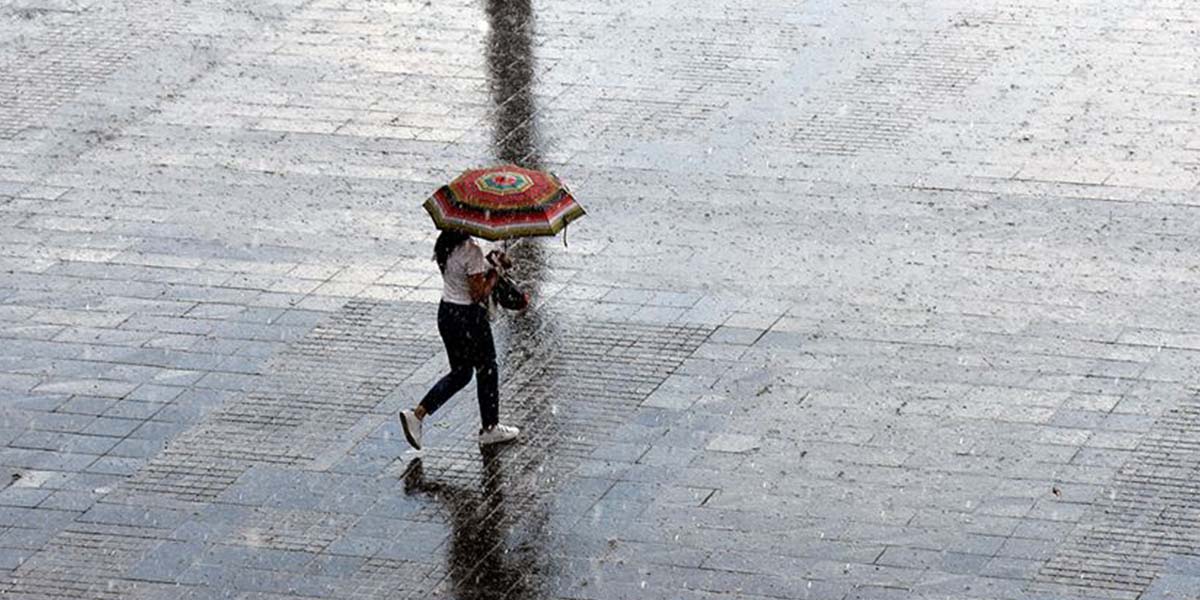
[
  {"x": 586, "y": 383},
  {"x": 308, "y": 396},
  {"x": 872, "y": 300},
  {"x": 894, "y": 94},
  {"x": 1150, "y": 515},
  {"x": 81, "y": 563}
]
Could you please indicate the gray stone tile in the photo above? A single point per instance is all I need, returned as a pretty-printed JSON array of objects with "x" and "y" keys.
[
  {"x": 151, "y": 392},
  {"x": 112, "y": 427},
  {"x": 252, "y": 558},
  {"x": 133, "y": 409},
  {"x": 136, "y": 448},
  {"x": 86, "y": 405},
  {"x": 12, "y": 558},
  {"x": 23, "y": 497},
  {"x": 968, "y": 259},
  {"x": 35, "y": 518},
  {"x": 88, "y": 444},
  {"x": 167, "y": 561},
  {"x": 134, "y": 516},
  {"x": 116, "y": 465},
  {"x": 1173, "y": 586},
  {"x": 157, "y": 430},
  {"x": 26, "y": 538},
  {"x": 734, "y": 443},
  {"x": 45, "y": 459},
  {"x": 71, "y": 501},
  {"x": 90, "y": 387},
  {"x": 1012, "y": 568}
]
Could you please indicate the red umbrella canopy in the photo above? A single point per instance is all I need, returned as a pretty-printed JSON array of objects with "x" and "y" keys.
[{"x": 504, "y": 202}]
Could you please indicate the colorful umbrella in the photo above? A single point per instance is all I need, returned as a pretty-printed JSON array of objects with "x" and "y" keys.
[{"x": 504, "y": 202}]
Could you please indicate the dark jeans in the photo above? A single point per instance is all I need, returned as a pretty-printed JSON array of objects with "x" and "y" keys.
[{"x": 468, "y": 337}]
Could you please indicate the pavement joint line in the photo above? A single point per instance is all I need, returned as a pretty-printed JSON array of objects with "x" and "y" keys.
[
  {"x": 638, "y": 109},
  {"x": 366, "y": 425}
]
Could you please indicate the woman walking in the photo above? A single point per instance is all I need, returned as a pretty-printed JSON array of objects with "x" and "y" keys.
[{"x": 467, "y": 282}]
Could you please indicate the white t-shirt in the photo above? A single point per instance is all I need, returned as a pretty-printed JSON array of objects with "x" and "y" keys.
[{"x": 466, "y": 259}]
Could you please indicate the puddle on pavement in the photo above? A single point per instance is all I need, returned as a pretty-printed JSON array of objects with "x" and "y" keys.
[
  {"x": 496, "y": 547},
  {"x": 497, "y": 543}
]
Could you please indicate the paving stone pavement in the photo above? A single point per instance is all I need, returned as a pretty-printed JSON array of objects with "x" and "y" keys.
[{"x": 872, "y": 300}]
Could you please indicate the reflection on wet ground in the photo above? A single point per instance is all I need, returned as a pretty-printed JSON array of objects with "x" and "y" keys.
[
  {"x": 484, "y": 559},
  {"x": 510, "y": 64},
  {"x": 510, "y": 61},
  {"x": 948, "y": 275},
  {"x": 574, "y": 388},
  {"x": 497, "y": 543}
]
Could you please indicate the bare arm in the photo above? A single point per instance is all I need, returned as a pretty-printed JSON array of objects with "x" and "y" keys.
[{"x": 481, "y": 285}]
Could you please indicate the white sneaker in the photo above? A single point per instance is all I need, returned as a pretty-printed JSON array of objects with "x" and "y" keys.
[
  {"x": 497, "y": 434},
  {"x": 412, "y": 428}
]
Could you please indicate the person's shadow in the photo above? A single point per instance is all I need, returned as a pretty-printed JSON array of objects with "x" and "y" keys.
[{"x": 493, "y": 553}]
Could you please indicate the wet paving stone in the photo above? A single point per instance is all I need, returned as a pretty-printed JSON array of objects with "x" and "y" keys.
[
  {"x": 306, "y": 398},
  {"x": 896, "y": 92},
  {"x": 567, "y": 396},
  {"x": 81, "y": 561},
  {"x": 872, "y": 300},
  {"x": 1119, "y": 549}
]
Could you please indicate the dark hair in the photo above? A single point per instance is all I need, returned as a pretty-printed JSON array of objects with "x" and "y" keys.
[{"x": 445, "y": 244}]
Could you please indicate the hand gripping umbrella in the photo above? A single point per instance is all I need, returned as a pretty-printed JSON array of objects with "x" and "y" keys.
[{"x": 503, "y": 203}]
